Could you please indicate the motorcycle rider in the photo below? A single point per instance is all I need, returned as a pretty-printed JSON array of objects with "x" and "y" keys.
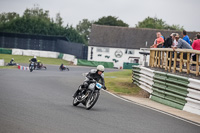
[
  {"x": 93, "y": 75},
  {"x": 34, "y": 59},
  {"x": 62, "y": 66},
  {"x": 39, "y": 63}
]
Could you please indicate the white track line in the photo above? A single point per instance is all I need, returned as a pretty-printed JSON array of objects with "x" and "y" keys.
[{"x": 177, "y": 117}]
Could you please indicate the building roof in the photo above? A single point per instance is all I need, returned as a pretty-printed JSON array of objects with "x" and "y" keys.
[{"x": 123, "y": 37}]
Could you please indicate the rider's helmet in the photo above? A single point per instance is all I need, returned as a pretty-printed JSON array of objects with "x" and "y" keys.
[
  {"x": 100, "y": 68},
  {"x": 35, "y": 57},
  {"x": 12, "y": 58}
]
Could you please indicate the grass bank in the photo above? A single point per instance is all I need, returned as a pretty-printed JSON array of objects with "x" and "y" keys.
[
  {"x": 25, "y": 59},
  {"x": 120, "y": 82}
]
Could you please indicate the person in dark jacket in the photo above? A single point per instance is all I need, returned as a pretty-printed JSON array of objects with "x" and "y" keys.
[
  {"x": 169, "y": 41},
  {"x": 34, "y": 59},
  {"x": 96, "y": 75}
]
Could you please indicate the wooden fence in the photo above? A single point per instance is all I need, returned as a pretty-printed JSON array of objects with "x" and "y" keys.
[{"x": 178, "y": 60}]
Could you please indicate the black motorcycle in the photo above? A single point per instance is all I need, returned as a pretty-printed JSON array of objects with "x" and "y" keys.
[
  {"x": 88, "y": 97},
  {"x": 41, "y": 66},
  {"x": 63, "y": 68},
  {"x": 32, "y": 66}
]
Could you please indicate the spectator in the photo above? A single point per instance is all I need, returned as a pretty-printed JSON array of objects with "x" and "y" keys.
[
  {"x": 196, "y": 46},
  {"x": 158, "y": 43},
  {"x": 169, "y": 41},
  {"x": 185, "y": 36},
  {"x": 182, "y": 44},
  {"x": 174, "y": 43}
]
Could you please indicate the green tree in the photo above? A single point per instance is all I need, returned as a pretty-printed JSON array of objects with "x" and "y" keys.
[
  {"x": 112, "y": 21},
  {"x": 59, "y": 20},
  {"x": 84, "y": 28},
  {"x": 6, "y": 17},
  {"x": 155, "y": 23},
  {"x": 37, "y": 21}
]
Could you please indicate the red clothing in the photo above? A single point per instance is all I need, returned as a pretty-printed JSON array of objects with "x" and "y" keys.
[
  {"x": 196, "y": 44},
  {"x": 158, "y": 40}
]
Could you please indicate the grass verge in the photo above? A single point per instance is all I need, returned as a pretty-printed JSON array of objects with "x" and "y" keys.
[
  {"x": 120, "y": 82},
  {"x": 25, "y": 59}
]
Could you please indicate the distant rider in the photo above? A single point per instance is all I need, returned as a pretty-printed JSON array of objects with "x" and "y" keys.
[
  {"x": 96, "y": 74},
  {"x": 39, "y": 63},
  {"x": 34, "y": 59}
]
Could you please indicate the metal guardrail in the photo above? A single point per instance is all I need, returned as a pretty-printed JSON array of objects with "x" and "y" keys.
[
  {"x": 167, "y": 59},
  {"x": 169, "y": 89}
]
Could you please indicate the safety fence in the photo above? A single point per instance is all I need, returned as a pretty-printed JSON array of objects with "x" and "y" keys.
[
  {"x": 5, "y": 51},
  {"x": 179, "y": 60},
  {"x": 23, "y": 67},
  {"x": 169, "y": 89},
  {"x": 94, "y": 63}
]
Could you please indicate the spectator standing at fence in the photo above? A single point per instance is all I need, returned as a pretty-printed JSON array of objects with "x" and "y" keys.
[
  {"x": 185, "y": 36},
  {"x": 169, "y": 41},
  {"x": 195, "y": 46},
  {"x": 174, "y": 42},
  {"x": 158, "y": 43},
  {"x": 182, "y": 44}
]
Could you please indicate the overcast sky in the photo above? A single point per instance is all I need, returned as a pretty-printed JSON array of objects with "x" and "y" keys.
[{"x": 182, "y": 12}]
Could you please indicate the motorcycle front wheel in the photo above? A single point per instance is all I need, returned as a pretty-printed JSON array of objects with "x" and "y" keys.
[
  {"x": 92, "y": 100},
  {"x": 75, "y": 101}
]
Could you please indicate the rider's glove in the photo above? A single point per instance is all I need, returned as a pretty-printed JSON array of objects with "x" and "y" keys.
[{"x": 104, "y": 88}]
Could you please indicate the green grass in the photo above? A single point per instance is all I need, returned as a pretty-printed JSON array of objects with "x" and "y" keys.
[
  {"x": 25, "y": 59},
  {"x": 120, "y": 82}
]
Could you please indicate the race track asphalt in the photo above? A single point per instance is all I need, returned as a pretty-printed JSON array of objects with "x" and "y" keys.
[{"x": 41, "y": 102}]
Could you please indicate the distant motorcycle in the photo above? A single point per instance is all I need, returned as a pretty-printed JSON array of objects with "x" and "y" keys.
[
  {"x": 41, "y": 66},
  {"x": 89, "y": 96},
  {"x": 32, "y": 66},
  {"x": 63, "y": 68}
]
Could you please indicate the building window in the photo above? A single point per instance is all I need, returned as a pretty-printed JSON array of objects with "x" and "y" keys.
[
  {"x": 105, "y": 50},
  {"x": 129, "y": 51}
]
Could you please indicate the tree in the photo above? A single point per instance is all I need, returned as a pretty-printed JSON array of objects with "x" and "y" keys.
[
  {"x": 155, "y": 23},
  {"x": 59, "y": 20},
  {"x": 37, "y": 21},
  {"x": 112, "y": 21},
  {"x": 6, "y": 17},
  {"x": 84, "y": 28}
]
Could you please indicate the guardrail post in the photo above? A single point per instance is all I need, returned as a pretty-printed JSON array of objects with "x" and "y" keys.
[
  {"x": 175, "y": 59},
  {"x": 156, "y": 59},
  {"x": 166, "y": 59},
  {"x": 163, "y": 54},
  {"x": 197, "y": 65},
  {"x": 159, "y": 58},
  {"x": 170, "y": 61},
  {"x": 188, "y": 63},
  {"x": 181, "y": 62}
]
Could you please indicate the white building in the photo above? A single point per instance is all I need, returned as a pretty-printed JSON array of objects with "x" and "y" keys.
[
  {"x": 116, "y": 44},
  {"x": 118, "y": 56}
]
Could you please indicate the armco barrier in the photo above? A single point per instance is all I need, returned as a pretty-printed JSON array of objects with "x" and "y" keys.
[
  {"x": 68, "y": 57},
  {"x": 169, "y": 89},
  {"x": 1, "y": 62},
  {"x": 5, "y": 51},
  {"x": 94, "y": 63},
  {"x": 17, "y": 52}
]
